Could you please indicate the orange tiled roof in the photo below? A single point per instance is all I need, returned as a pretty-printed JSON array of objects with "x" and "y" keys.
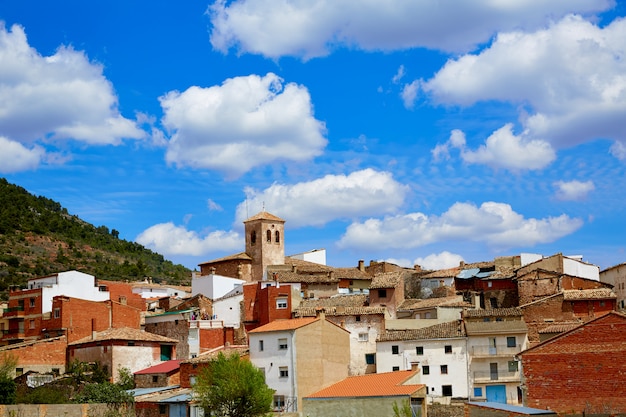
[
  {"x": 370, "y": 385},
  {"x": 264, "y": 215},
  {"x": 287, "y": 324},
  {"x": 124, "y": 333}
]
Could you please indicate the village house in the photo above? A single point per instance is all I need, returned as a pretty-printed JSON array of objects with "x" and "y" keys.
[
  {"x": 372, "y": 395},
  {"x": 416, "y": 313},
  {"x": 364, "y": 323},
  {"x": 440, "y": 351},
  {"x": 164, "y": 374},
  {"x": 494, "y": 338},
  {"x": 44, "y": 356},
  {"x": 266, "y": 301},
  {"x": 616, "y": 276},
  {"x": 387, "y": 290},
  {"x": 122, "y": 348},
  {"x": 299, "y": 357},
  {"x": 579, "y": 372}
]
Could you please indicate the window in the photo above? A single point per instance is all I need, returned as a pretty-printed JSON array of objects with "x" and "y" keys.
[
  {"x": 281, "y": 303},
  {"x": 446, "y": 390},
  {"x": 395, "y": 349},
  {"x": 31, "y": 324},
  {"x": 426, "y": 370},
  {"x": 253, "y": 237},
  {"x": 269, "y": 236},
  {"x": 370, "y": 358},
  {"x": 162, "y": 408},
  {"x": 395, "y": 368},
  {"x": 357, "y": 318},
  {"x": 155, "y": 378},
  {"x": 32, "y": 303},
  {"x": 513, "y": 366},
  {"x": 510, "y": 341},
  {"x": 382, "y": 293},
  {"x": 277, "y": 234},
  {"x": 478, "y": 392},
  {"x": 282, "y": 344},
  {"x": 279, "y": 402},
  {"x": 283, "y": 371},
  {"x": 444, "y": 369},
  {"x": 489, "y": 284},
  {"x": 260, "y": 346},
  {"x": 447, "y": 348},
  {"x": 57, "y": 313},
  {"x": 363, "y": 337},
  {"x": 192, "y": 380},
  {"x": 131, "y": 343},
  {"x": 19, "y": 371},
  {"x": 494, "y": 302},
  {"x": 419, "y": 350}
]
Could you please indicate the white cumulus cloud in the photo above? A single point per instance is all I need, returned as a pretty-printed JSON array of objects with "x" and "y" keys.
[
  {"x": 15, "y": 157},
  {"x": 63, "y": 96},
  {"x": 243, "y": 123},
  {"x": 442, "y": 260},
  {"x": 275, "y": 28},
  {"x": 317, "y": 202},
  {"x": 169, "y": 239},
  {"x": 495, "y": 224},
  {"x": 569, "y": 80},
  {"x": 573, "y": 190}
]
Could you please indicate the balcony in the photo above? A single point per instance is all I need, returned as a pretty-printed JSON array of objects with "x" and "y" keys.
[
  {"x": 13, "y": 311},
  {"x": 499, "y": 376},
  {"x": 502, "y": 351}
]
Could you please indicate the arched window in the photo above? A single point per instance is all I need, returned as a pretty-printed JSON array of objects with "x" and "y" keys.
[
  {"x": 269, "y": 235},
  {"x": 277, "y": 236},
  {"x": 253, "y": 237}
]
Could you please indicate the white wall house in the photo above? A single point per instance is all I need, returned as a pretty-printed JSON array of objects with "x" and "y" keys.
[
  {"x": 227, "y": 309},
  {"x": 440, "y": 351},
  {"x": 214, "y": 286},
  {"x": 147, "y": 289},
  {"x": 71, "y": 284},
  {"x": 494, "y": 338}
]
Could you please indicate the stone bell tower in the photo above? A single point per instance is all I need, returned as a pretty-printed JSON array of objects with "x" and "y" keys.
[{"x": 265, "y": 242}]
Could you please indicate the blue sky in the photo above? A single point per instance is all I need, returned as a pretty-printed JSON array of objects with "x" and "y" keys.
[{"x": 421, "y": 132}]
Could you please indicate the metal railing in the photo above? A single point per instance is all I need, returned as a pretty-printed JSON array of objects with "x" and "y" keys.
[
  {"x": 498, "y": 350},
  {"x": 502, "y": 376}
]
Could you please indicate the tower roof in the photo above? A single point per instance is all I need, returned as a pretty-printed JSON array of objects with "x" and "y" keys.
[{"x": 264, "y": 215}]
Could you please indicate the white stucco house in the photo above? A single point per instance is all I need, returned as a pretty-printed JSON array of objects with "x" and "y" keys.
[
  {"x": 227, "y": 308},
  {"x": 439, "y": 350},
  {"x": 214, "y": 286}
]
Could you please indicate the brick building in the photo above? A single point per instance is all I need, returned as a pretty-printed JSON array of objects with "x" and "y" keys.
[
  {"x": 264, "y": 302},
  {"x": 579, "y": 372},
  {"x": 43, "y": 356}
]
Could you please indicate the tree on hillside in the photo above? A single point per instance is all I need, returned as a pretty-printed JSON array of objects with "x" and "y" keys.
[{"x": 231, "y": 386}]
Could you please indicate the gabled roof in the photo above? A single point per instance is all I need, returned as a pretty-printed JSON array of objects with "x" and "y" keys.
[
  {"x": 161, "y": 368},
  {"x": 387, "y": 280},
  {"x": 286, "y": 324},
  {"x": 339, "y": 311},
  {"x": 241, "y": 350},
  {"x": 615, "y": 322},
  {"x": 493, "y": 312},
  {"x": 388, "y": 384},
  {"x": 124, "y": 333},
  {"x": 449, "y": 330},
  {"x": 418, "y": 303},
  {"x": 353, "y": 300}
]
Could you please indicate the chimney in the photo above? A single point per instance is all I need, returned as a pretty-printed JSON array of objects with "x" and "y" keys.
[
  {"x": 212, "y": 270},
  {"x": 462, "y": 264},
  {"x": 319, "y": 313},
  {"x": 415, "y": 366},
  {"x": 361, "y": 265},
  {"x": 293, "y": 268}
]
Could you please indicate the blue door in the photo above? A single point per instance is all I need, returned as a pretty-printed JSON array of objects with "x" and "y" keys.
[{"x": 496, "y": 393}]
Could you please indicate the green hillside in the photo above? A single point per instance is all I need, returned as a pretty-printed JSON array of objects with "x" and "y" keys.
[{"x": 39, "y": 237}]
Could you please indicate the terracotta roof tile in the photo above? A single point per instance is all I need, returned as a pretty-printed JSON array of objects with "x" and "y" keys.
[
  {"x": 124, "y": 333},
  {"x": 443, "y": 273},
  {"x": 559, "y": 328},
  {"x": 592, "y": 294},
  {"x": 417, "y": 303},
  {"x": 447, "y": 330},
  {"x": 288, "y": 324},
  {"x": 387, "y": 280},
  {"x": 371, "y": 385},
  {"x": 493, "y": 312},
  {"x": 237, "y": 256},
  {"x": 355, "y": 300},
  {"x": 264, "y": 215},
  {"x": 339, "y": 311}
]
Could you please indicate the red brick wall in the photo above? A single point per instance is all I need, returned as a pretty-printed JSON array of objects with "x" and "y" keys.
[
  {"x": 45, "y": 352},
  {"x": 120, "y": 291},
  {"x": 188, "y": 370},
  {"x": 580, "y": 371},
  {"x": 80, "y": 317},
  {"x": 212, "y": 338}
]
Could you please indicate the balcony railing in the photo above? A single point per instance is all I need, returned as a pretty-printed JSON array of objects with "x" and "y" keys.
[
  {"x": 493, "y": 351},
  {"x": 500, "y": 376}
]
